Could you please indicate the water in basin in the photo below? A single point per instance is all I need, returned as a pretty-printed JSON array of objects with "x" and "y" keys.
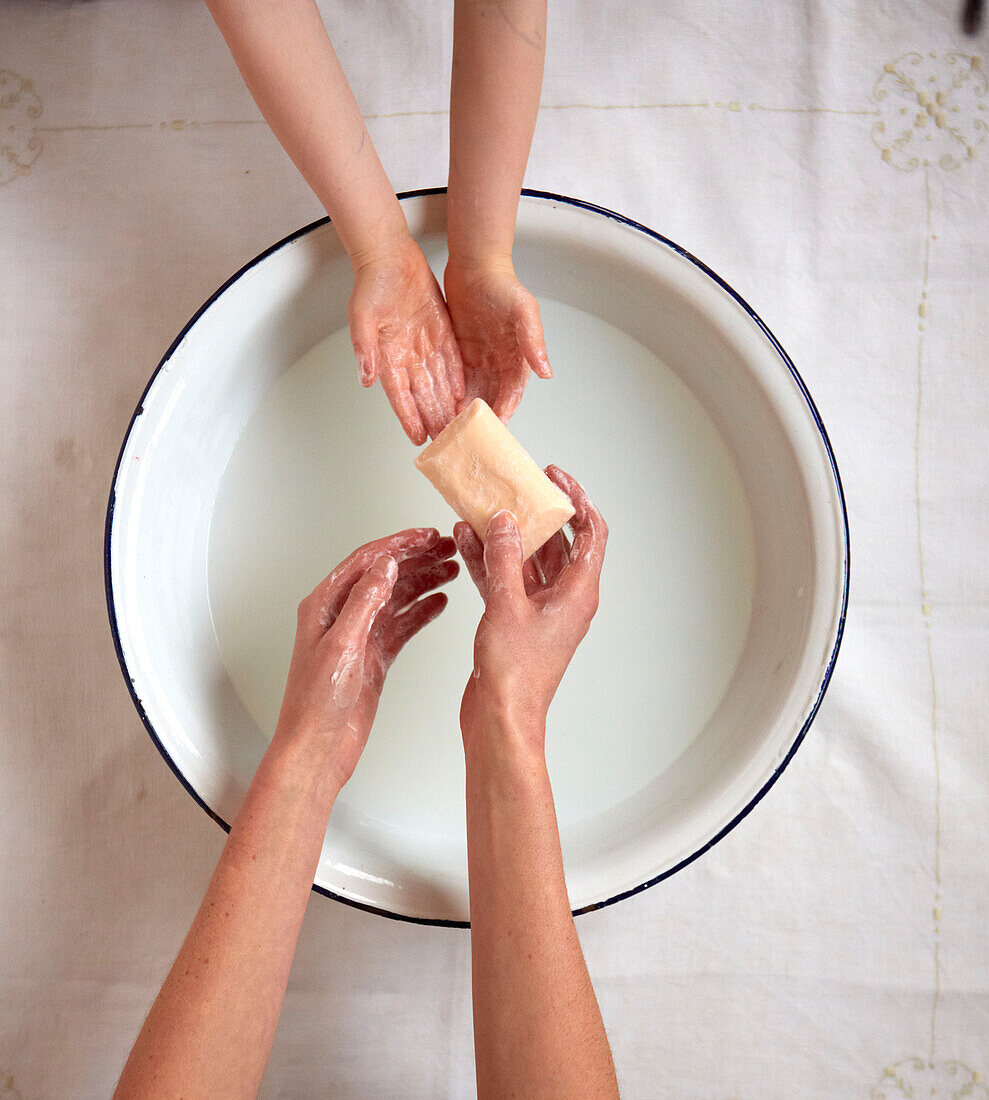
[{"x": 323, "y": 466}]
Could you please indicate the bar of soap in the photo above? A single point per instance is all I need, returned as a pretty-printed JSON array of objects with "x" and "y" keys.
[{"x": 479, "y": 468}]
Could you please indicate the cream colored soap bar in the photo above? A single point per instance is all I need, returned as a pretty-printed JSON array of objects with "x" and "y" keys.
[{"x": 480, "y": 468}]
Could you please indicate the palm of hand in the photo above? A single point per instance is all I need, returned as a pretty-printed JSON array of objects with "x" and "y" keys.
[
  {"x": 500, "y": 335},
  {"x": 402, "y": 333}
]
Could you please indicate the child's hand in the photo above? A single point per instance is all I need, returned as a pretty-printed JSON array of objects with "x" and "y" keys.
[
  {"x": 402, "y": 333},
  {"x": 499, "y": 333}
]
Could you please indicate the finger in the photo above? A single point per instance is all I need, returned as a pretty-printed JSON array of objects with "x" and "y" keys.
[
  {"x": 553, "y": 557},
  {"x": 529, "y": 334},
  {"x": 322, "y": 606},
  {"x": 396, "y": 385},
  {"x": 590, "y": 530},
  {"x": 367, "y": 364},
  {"x": 442, "y": 550},
  {"x": 465, "y": 401},
  {"x": 364, "y": 337},
  {"x": 441, "y": 387},
  {"x": 427, "y": 403},
  {"x": 346, "y": 642},
  {"x": 532, "y": 577},
  {"x": 367, "y": 597},
  {"x": 472, "y": 551},
  {"x": 503, "y": 560},
  {"x": 411, "y": 587},
  {"x": 399, "y": 630},
  {"x": 511, "y": 385},
  {"x": 538, "y": 360},
  {"x": 454, "y": 368}
]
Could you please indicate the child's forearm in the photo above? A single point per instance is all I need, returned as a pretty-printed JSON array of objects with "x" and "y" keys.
[
  {"x": 286, "y": 59},
  {"x": 211, "y": 1027},
  {"x": 498, "y": 51}
]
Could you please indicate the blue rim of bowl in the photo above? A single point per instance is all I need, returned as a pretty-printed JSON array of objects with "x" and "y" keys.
[{"x": 788, "y": 363}]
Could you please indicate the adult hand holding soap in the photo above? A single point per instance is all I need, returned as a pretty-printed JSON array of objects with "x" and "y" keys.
[{"x": 479, "y": 468}]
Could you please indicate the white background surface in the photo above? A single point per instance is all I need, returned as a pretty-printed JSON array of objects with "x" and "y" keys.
[{"x": 836, "y": 944}]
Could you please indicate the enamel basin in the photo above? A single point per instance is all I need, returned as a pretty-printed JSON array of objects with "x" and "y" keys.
[{"x": 254, "y": 462}]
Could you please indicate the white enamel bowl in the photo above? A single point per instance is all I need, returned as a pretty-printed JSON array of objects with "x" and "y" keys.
[{"x": 662, "y": 805}]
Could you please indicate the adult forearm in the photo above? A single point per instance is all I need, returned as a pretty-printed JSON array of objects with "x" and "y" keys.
[
  {"x": 498, "y": 51},
  {"x": 285, "y": 57},
  {"x": 210, "y": 1030},
  {"x": 537, "y": 1027}
]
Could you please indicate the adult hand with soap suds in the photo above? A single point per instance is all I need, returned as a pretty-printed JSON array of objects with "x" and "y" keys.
[
  {"x": 534, "y": 618},
  {"x": 211, "y": 1027},
  {"x": 351, "y": 628},
  {"x": 537, "y": 1026}
]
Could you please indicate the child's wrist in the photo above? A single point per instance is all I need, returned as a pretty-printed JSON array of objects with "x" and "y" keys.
[
  {"x": 474, "y": 261},
  {"x": 388, "y": 240}
]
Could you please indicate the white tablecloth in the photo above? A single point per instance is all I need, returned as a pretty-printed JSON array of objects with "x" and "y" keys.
[{"x": 828, "y": 159}]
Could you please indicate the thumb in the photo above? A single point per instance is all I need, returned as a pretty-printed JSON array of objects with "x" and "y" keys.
[
  {"x": 367, "y": 364},
  {"x": 364, "y": 337},
  {"x": 503, "y": 560},
  {"x": 529, "y": 333}
]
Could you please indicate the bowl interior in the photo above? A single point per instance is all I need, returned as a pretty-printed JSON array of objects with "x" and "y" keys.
[{"x": 717, "y": 629}]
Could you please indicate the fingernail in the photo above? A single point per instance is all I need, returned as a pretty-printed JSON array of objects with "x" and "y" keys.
[{"x": 502, "y": 514}]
